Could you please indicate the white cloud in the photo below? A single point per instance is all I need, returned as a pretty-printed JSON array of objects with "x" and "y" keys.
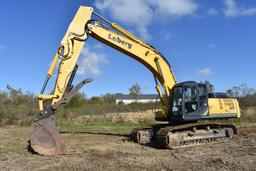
[
  {"x": 204, "y": 72},
  {"x": 98, "y": 46},
  {"x": 146, "y": 87},
  {"x": 211, "y": 45},
  {"x": 90, "y": 62},
  {"x": 166, "y": 35},
  {"x": 232, "y": 10},
  {"x": 140, "y": 14},
  {"x": 249, "y": 11},
  {"x": 175, "y": 8},
  {"x": 212, "y": 11},
  {"x": 131, "y": 12},
  {"x": 2, "y": 47}
]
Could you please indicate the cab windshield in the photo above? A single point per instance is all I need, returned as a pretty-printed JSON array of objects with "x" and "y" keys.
[
  {"x": 190, "y": 99},
  {"x": 177, "y": 100}
]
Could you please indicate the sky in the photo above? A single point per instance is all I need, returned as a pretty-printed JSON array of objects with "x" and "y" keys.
[{"x": 211, "y": 40}]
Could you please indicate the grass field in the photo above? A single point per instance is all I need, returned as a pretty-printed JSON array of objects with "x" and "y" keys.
[{"x": 103, "y": 146}]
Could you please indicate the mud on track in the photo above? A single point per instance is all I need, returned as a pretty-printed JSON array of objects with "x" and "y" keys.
[{"x": 100, "y": 151}]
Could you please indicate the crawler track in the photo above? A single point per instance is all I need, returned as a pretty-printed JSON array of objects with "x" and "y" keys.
[{"x": 184, "y": 135}]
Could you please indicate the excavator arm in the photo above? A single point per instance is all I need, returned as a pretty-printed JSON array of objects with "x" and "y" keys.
[
  {"x": 45, "y": 138},
  {"x": 68, "y": 53},
  {"x": 83, "y": 27}
]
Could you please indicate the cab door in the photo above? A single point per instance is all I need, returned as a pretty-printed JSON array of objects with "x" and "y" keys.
[{"x": 194, "y": 101}]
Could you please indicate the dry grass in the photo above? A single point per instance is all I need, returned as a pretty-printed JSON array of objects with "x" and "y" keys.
[
  {"x": 124, "y": 117},
  {"x": 248, "y": 113}
]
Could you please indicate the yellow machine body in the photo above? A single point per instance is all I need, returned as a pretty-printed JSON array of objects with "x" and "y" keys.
[
  {"x": 66, "y": 57},
  {"x": 224, "y": 106}
]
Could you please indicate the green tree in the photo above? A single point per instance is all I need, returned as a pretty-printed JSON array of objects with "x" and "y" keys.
[
  {"x": 108, "y": 98},
  {"x": 95, "y": 100},
  {"x": 16, "y": 96},
  {"x": 76, "y": 101}
]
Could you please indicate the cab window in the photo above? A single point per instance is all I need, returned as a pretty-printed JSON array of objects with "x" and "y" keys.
[
  {"x": 190, "y": 99},
  {"x": 177, "y": 100},
  {"x": 202, "y": 94}
]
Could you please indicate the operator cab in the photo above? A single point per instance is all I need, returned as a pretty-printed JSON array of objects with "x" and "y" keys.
[{"x": 189, "y": 102}]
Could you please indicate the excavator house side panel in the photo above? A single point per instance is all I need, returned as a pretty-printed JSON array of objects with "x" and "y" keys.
[{"x": 223, "y": 107}]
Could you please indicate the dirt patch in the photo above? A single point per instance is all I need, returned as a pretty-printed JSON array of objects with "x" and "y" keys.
[{"x": 103, "y": 151}]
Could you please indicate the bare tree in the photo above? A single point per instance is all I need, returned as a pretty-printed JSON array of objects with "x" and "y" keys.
[
  {"x": 209, "y": 86},
  {"x": 241, "y": 91},
  {"x": 135, "y": 90},
  {"x": 247, "y": 91}
]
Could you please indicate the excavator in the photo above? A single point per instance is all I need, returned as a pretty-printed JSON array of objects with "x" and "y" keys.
[{"x": 183, "y": 104}]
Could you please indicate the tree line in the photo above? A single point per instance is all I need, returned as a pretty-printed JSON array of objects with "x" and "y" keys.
[{"x": 17, "y": 96}]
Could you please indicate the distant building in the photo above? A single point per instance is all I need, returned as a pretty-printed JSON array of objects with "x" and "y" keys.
[{"x": 142, "y": 98}]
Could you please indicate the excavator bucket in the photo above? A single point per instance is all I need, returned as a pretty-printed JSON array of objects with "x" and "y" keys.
[{"x": 45, "y": 139}]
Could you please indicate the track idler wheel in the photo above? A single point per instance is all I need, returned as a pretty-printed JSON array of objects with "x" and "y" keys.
[
  {"x": 45, "y": 139},
  {"x": 142, "y": 136}
]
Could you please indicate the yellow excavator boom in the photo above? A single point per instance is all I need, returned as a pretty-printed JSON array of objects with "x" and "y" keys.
[{"x": 73, "y": 41}]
